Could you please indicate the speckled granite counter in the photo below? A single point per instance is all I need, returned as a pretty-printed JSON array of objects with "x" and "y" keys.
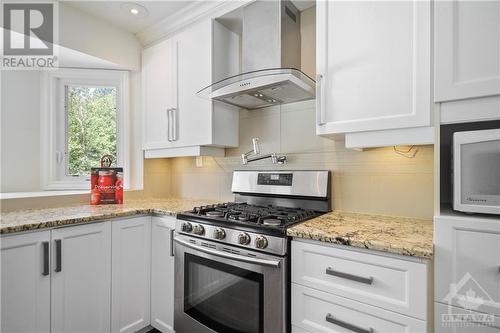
[
  {"x": 400, "y": 235},
  {"x": 55, "y": 217}
]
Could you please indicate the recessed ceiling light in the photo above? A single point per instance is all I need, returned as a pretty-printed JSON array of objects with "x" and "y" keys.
[{"x": 135, "y": 9}]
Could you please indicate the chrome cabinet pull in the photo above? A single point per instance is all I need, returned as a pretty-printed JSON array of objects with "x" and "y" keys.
[
  {"x": 174, "y": 124},
  {"x": 319, "y": 100},
  {"x": 45, "y": 248},
  {"x": 227, "y": 255},
  {"x": 172, "y": 242},
  {"x": 168, "y": 125},
  {"x": 331, "y": 319},
  {"x": 362, "y": 279},
  {"x": 58, "y": 243}
]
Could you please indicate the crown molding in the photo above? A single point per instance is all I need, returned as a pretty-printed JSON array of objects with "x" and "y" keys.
[{"x": 186, "y": 16}]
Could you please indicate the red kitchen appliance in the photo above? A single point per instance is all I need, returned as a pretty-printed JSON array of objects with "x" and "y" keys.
[{"x": 106, "y": 183}]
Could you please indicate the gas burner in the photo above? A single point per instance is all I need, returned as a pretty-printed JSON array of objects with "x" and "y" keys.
[
  {"x": 254, "y": 216},
  {"x": 215, "y": 213},
  {"x": 271, "y": 221}
]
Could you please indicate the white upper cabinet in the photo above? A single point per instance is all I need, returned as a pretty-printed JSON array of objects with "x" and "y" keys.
[
  {"x": 373, "y": 64},
  {"x": 177, "y": 122},
  {"x": 467, "y": 60},
  {"x": 158, "y": 93},
  {"x": 467, "y": 49},
  {"x": 25, "y": 281}
]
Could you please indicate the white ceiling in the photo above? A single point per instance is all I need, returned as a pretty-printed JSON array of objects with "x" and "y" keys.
[
  {"x": 111, "y": 12},
  {"x": 158, "y": 10}
]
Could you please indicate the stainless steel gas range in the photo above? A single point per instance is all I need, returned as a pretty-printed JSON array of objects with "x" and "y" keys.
[{"x": 232, "y": 260}]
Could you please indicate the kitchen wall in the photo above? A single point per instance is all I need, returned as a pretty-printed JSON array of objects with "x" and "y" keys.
[
  {"x": 20, "y": 131},
  {"x": 376, "y": 181},
  {"x": 20, "y": 98}
]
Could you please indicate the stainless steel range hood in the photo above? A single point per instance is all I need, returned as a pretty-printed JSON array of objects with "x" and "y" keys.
[{"x": 270, "y": 46}]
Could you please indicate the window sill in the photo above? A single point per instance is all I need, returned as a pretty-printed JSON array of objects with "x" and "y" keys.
[{"x": 41, "y": 194}]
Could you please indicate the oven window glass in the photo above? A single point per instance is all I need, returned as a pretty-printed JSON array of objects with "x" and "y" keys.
[{"x": 223, "y": 297}]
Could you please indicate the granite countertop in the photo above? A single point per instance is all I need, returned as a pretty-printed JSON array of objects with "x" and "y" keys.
[
  {"x": 24, "y": 220},
  {"x": 399, "y": 235}
]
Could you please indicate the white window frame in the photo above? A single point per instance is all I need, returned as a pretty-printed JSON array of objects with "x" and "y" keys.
[{"x": 53, "y": 124}]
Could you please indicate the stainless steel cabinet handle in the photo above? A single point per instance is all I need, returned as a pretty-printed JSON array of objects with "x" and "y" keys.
[
  {"x": 58, "y": 243},
  {"x": 174, "y": 124},
  {"x": 265, "y": 262},
  {"x": 362, "y": 279},
  {"x": 172, "y": 242},
  {"x": 169, "y": 138},
  {"x": 45, "y": 248},
  {"x": 331, "y": 319},
  {"x": 320, "y": 103}
]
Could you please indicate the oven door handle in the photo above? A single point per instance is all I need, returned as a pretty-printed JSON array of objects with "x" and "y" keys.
[{"x": 272, "y": 263}]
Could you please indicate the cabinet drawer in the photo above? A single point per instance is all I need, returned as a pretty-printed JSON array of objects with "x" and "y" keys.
[
  {"x": 442, "y": 319},
  {"x": 317, "y": 311},
  {"x": 467, "y": 254},
  {"x": 393, "y": 284}
]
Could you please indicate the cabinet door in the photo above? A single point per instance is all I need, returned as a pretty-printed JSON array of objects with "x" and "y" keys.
[
  {"x": 445, "y": 320},
  {"x": 193, "y": 115},
  {"x": 374, "y": 59},
  {"x": 130, "y": 274},
  {"x": 81, "y": 278},
  {"x": 467, "y": 49},
  {"x": 162, "y": 274},
  {"x": 25, "y": 290},
  {"x": 467, "y": 263},
  {"x": 159, "y": 93}
]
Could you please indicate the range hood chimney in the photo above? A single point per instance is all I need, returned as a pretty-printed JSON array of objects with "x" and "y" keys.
[{"x": 270, "y": 60}]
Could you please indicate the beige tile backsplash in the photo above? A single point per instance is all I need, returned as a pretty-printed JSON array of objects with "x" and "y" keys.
[{"x": 375, "y": 181}]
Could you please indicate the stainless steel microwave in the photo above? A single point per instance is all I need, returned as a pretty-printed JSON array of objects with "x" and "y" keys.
[{"x": 476, "y": 171}]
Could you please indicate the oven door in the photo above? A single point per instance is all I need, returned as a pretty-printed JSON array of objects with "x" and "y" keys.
[{"x": 219, "y": 288}]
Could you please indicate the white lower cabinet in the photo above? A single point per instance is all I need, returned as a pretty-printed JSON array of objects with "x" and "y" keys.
[
  {"x": 318, "y": 311},
  {"x": 391, "y": 283},
  {"x": 451, "y": 319},
  {"x": 130, "y": 274},
  {"x": 81, "y": 278},
  {"x": 342, "y": 289},
  {"x": 162, "y": 273},
  {"x": 86, "y": 278},
  {"x": 25, "y": 283},
  {"x": 467, "y": 257}
]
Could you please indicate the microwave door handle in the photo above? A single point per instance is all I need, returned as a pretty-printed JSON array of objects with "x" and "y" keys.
[{"x": 265, "y": 262}]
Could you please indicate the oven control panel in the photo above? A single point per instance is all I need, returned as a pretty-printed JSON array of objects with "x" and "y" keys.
[
  {"x": 280, "y": 179},
  {"x": 249, "y": 240}
]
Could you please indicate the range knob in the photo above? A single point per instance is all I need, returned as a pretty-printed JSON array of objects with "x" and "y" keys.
[
  {"x": 198, "y": 229},
  {"x": 219, "y": 233},
  {"x": 261, "y": 242},
  {"x": 243, "y": 238},
  {"x": 186, "y": 227}
]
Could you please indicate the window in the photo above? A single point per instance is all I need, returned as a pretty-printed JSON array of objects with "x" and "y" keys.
[
  {"x": 85, "y": 119},
  {"x": 90, "y": 127}
]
